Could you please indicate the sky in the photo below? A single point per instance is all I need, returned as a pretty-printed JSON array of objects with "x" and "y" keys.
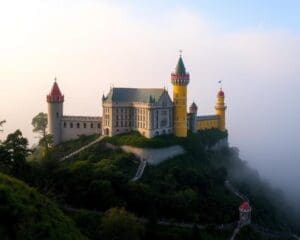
[{"x": 90, "y": 45}]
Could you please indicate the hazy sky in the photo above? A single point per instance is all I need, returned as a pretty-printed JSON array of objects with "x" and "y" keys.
[{"x": 253, "y": 46}]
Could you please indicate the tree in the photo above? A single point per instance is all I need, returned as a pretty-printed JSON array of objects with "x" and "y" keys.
[
  {"x": 16, "y": 147},
  {"x": 1, "y": 124},
  {"x": 39, "y": 123},
  {"x": 119, "y": 224}
]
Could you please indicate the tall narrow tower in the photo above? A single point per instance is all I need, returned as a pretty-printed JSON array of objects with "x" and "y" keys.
[
  {"x": 55, "y": 101},
  {"x": 220, "y": 109},
  {"x": 180, "y": 79}
]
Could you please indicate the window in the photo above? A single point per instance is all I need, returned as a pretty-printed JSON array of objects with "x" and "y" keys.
[
  {"x": 57, "y": 115},
  {"x": 84, "y": 125},
  {"x": 78, "y": 125},
  {"x": 92, "y": 125},
  {"x": 98, "y": 125},
  {"x": 65, "y": 124},
  {"x": 71, "y": 125}
]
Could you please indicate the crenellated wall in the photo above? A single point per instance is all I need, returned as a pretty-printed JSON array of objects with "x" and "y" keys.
[{"x": 74, "y": 126}]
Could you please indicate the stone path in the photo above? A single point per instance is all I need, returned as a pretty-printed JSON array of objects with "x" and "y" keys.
[{"x": 82, "y": 148}]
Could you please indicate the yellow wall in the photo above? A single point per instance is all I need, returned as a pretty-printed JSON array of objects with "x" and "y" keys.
[
  {"x": 207, "y": 124},
  {"x": 180, "y": 106},
  {"x": 220, "y": 111}
]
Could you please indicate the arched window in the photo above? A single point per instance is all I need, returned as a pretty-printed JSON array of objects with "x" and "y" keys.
[
  {"x": 92, "y": 125},
  {"x": 78, "y": 125},
  {"x": 71, "y": 125},
  {"x": 84, "y": 125},
  {"x": 65, "y": 124}
]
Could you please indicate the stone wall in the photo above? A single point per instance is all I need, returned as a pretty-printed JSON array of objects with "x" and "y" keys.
[{"x": 74, "y": 126}]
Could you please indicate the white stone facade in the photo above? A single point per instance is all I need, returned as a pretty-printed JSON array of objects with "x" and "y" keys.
[{"x": 149, "y": 119}]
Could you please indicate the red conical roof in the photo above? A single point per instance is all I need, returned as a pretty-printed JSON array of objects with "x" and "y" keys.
[
  {"x": 245, "y": 207},
  {"x": 55, "y": 94},
  {"x": 220, "y": 93}
]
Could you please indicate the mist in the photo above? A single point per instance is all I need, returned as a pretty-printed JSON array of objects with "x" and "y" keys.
[{"x": 90, "y": 46}]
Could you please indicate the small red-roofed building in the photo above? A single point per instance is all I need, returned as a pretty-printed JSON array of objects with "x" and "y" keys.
[{"x": 245, "y": 213}]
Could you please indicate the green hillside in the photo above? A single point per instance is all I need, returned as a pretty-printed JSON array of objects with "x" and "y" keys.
[
  {"x": 26, "y": 214},
  {"x": 182, "y": 198}
]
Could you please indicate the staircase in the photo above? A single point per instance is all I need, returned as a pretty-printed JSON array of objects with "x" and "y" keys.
[{"x": 140, "y": 170}]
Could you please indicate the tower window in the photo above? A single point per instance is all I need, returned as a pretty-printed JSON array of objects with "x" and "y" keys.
[
  {"x": 84, "y": 125},
  {"x": 57, "y": 115},
  {"x": 98, "y": 125},
  {"x": 71, "y": 125},
  {"x": 78, "y": 125},
  {"x": 92, "y": 125},
  {"x": 65, "y": 124}
]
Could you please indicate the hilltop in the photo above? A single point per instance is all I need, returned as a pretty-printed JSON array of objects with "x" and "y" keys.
[{"x": 182, "y": 197}]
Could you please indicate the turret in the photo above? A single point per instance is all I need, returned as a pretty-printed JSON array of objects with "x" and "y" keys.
[
  {"x": 220, "y": 109},
  {"x": 180, "y": 79},
  {"x": 193, "y": 117},
  {"x": 193, "y": 108},
  {"x": 55, "y": 101}
]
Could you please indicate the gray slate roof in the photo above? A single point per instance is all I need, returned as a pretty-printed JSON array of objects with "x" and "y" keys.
[{"x": 144, "y": 95}]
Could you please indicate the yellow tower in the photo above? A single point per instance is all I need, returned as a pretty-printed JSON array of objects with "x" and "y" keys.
[
  {"x": 220, "y": 109},
  {"x": 180, "y": 79}
]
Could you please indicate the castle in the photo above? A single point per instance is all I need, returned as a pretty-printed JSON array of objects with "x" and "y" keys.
[{"x": 150, "y": 111}]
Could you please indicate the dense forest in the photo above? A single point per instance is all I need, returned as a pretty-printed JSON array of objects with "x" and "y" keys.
[{"x": 92, "y": 195}]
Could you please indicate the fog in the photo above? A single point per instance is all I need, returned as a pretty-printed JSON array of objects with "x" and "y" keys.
[{"x": 90, "y": 46}]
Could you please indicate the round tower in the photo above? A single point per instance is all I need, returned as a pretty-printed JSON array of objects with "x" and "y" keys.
[
  {"x": 220, "y": 109},
  {"x": 55, "y": 101},
  {"x": 193, "y": 117},
  {"x": 180, "y": 79}
]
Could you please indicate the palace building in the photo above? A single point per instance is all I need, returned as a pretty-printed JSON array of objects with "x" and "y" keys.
[{"x": 150, "y": 111}]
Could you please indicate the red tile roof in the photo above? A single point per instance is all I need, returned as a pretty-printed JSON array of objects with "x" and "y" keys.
[
  {"x": 55, "y": 94},
  {"x": 245, "y": 207}
]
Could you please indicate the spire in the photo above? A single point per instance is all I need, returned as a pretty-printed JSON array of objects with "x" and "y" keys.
[
  {"x": 193, "y": 108},
  {"x": 55, "y": 94},
  {"x": 180, "y": 68},
  {"x": 180, "y": 76}
]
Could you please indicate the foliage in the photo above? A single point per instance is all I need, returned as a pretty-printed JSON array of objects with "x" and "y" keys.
[
  {"x": 13, "y": 152},
  {"x": 204, "y": 138},
  {"x": 188, "y": 188},
  {"x": 70, "y": 146},
  {"x": 1, "y": 124},
  {"x": 117, "y": 223},
  {"x": 137, "y": 140},
  {"x": 29, "y": 215},
  {"x": 39, "y": 123}
]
